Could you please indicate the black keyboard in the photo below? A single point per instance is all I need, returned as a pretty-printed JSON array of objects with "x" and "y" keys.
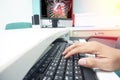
[{"x": 52, "y": 66}]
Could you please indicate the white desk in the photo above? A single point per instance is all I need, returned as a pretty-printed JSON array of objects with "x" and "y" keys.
[
  {"x": 94, "y": 31},
  {"x": 19, "y": 49}
]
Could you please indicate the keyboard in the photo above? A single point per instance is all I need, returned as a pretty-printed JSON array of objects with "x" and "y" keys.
[{"x": 52, "y": 66}]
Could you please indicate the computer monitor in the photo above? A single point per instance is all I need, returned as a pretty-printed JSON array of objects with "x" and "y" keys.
[{"x": 56, "y": 10}]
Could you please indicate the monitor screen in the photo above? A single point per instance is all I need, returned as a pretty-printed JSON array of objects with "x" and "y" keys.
[{"x": 56, "y": 10}]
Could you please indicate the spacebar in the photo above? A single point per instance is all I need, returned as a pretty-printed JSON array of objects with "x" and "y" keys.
[{"x": 89, "y": 74}]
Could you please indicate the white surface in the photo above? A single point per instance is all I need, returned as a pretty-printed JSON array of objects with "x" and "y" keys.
[
  {"x": 94, "y": 28},
  {"x": 94, "y": 20},
  {"x": 20, "y": 49},
  {"x": 106, "y": 75}
]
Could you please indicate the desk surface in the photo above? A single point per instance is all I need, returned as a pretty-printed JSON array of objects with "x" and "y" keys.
[
  {"x": 19, "y": 49},
  {"x": 14, "y": 44},
  {"x": 94, "y": 28}
]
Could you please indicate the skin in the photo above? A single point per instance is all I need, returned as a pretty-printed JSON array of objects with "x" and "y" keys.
[{"x": 107, "y": 58}]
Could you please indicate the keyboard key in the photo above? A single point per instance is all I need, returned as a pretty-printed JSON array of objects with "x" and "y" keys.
[
  {"x": 78, "y": 77},
  {"x": 68, "y": 78},
  {"x": 60, "y": 72},
  {"x": 69, "y": 73},
  {"x": 52, "y": 68},
  {"x": 61, "y": 67},
  {"x": 50, "y": 73},
  {"x": 47, "y": 78},
  {"x": 58, "y": 77}
]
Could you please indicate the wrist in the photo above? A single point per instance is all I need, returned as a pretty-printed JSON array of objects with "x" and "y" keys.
[{"x": 117, "y": 59}]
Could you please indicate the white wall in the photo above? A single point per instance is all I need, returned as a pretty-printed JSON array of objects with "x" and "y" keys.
[
  {"x": 15, "y": 11},
  {"x": 99, "y": 7},
  {"x": 99, "y": 13},
  {"x": 93, "y": 20}
]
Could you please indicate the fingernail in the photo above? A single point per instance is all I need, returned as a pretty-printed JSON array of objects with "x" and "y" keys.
[
  {"x": 63, "y": 53},
  {"x": 82, "y": 62},
  {"x": 65, "y": 57}
]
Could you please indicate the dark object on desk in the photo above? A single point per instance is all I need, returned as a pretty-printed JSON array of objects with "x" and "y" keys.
[
  {"x": 60, "y": 40},
  {"x": 35, "y": 19},
  {"x": 54, "y": 23}
]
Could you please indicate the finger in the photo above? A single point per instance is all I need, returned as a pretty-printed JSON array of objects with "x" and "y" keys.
[
  {"x": 71, "y": 52},
  {"x": 89, "y": 62},
  {"x": 72, "y": 47},
  {"x": 81, "y": 50},
  {"x": 69, "y": 48}
]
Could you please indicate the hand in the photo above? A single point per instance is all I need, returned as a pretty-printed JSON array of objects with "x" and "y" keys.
[{"x": 107, "y": 58}]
